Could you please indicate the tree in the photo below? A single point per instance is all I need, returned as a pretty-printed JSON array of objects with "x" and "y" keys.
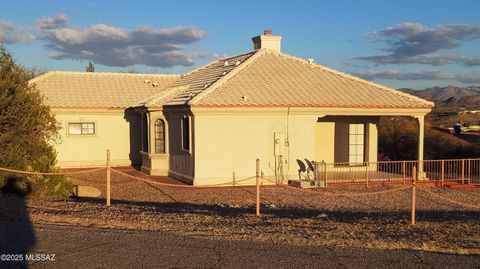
[
  {"x": 90, "y": 67},
  {"x": 26, "y": 125},
  {"x": 398, "y": 138}
]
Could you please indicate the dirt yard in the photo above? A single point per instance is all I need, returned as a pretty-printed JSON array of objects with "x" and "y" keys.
[{"x": 289, "y": 216}]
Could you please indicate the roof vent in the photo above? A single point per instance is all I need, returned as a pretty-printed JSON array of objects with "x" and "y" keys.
[
  {"x": 245, "y": 98},
  {"x": 225, "y": 63},
  {"x": 224, "y": 73},
  {"x": 310, "y": 60},
  {"x": 237, "y": 63},
  {"x": 146, "y": 81},
  {"x": 154, "y": 84},
  {"x": 206, "y": 85}
]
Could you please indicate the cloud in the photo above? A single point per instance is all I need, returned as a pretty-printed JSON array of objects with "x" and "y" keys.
[
  {"x": 469, "y": 78},
  {"x": 466, "y": 77},
  {"x": 52, "y": 22},
  {"x": 114, "y": 46},
  {"x": 10, "y": 34},
  {"x": 416, "y": 43}
]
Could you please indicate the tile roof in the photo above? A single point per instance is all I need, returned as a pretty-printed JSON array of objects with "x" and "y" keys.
[
  {"x": 271, "y": 79},
  {"x": 99, "y": 90},
  {"x": 198, "y": 80}
]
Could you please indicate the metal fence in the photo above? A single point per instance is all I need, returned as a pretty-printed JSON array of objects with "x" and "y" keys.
[{"x": 461, "y": 170}]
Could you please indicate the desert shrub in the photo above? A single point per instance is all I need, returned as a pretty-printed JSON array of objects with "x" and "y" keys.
[
  {"x": 52, "y": 186},
  {"x": 26, "y": 124},
  {"x": 15, "y": 184},
  {"x": 27, "y": 128},
  {"x": 397, "y": 138}
]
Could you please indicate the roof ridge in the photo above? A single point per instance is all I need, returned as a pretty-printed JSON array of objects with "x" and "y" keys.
[
  {"x": 156, "y": 97},
  {"x": 42, "y": 76},
  {"x": 216, "y": 84},
  {"x": 348, "y": 76},
  {"x": 107, "y": 73}
]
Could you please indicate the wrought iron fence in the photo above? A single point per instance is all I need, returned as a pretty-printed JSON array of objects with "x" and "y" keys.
[{"x": 463, "y": 170}]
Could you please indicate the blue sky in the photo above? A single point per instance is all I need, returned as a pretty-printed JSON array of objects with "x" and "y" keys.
[{"x": 415, "y": 44}]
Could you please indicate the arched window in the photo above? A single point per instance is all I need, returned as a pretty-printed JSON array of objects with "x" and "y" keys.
[{"x": 159, "y": 136}]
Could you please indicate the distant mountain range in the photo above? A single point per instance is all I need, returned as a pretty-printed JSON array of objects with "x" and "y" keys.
[{"x": 451, "y": 96}]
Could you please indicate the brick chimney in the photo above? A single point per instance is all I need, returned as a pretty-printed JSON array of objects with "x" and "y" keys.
[{"x": 267, "y": 41}]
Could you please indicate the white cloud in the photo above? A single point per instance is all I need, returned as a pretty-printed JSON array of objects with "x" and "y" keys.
[
  {"x": 114, "y": 46},
  {"x": 10, "y": 33},
  {"x": 417, "y": 43}
]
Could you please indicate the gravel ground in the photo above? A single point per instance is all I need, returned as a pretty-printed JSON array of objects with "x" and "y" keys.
[{"x": 289, "y": 216}]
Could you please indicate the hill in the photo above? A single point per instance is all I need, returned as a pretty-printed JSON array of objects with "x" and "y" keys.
[{"x": 450, "y": 96}]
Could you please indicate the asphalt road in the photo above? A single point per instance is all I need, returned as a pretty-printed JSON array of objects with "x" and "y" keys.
[{"x": 88, "y": 247}]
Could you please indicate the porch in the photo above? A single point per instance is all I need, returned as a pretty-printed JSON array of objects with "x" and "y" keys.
[{"x": 465, "y": 171}]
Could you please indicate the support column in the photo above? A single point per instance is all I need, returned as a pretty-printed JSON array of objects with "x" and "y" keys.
[{"x": 421, "y": 137}]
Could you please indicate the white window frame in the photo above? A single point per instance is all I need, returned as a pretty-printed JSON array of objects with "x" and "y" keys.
[
  {"x": 356, "y": 143},
  {"x": 84, "y": 129},
  {"x": 162, "y": 139}
]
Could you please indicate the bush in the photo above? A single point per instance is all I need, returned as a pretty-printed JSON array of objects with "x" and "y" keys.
[
  {"x": 15, "y": 184},
  {"x": 26, "y": 124},
  {"x": 27, "y": 128},
  {"x": 52, "y": 186}
]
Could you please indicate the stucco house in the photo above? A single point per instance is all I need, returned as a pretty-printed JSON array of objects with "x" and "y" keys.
[{"x": 210, "y": 125}]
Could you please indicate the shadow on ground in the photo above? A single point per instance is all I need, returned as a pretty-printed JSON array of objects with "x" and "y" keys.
[
  {"x": 17, "y": 237},
  {"x": 344, "y": 215}
]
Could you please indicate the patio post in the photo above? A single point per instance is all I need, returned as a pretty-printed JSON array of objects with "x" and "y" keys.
[
  {"x": 421, "y": 137},
  {"x": 108, "y": 177}
]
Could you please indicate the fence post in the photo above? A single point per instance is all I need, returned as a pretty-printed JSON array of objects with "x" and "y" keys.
[
  {"x": 443, "y": 171},
  {"x": 108, "y": 177},
  {"x": 257, "y": 176},
  {"x": 463, "y": 171},
  {"x": 414, "y": 193},
  {"x": 326, "y": 173},
  {"x": 404, "y": 168},
  {"x": 469, "y": 173},
  {"x": 367, "y": 166}
]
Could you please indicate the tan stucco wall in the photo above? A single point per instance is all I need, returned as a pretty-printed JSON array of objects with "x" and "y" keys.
[
  {"x": 333, "y": 131},
  {"x": 228, "y": 145},
  {"x": 115, "y": 130}
]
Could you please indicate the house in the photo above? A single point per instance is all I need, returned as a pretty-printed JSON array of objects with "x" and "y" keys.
[
  {"x": 210, "y": 125},
  {"x": 94, "y": 110}
]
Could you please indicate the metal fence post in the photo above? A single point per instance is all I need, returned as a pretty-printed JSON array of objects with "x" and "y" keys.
[
  {"x": 367, "y": 166},
  {"x": 404, "y": 168},
  {"x": 326, "y": 164},
  {"x": 108, "y": 177},
  {"x": 414, "y": 193},
  {"x": 257, "y": 176},
  {"x": 469, "y": 168},
  {"x": 463, "y": 171},
  {"x": 443, "y": 172}
]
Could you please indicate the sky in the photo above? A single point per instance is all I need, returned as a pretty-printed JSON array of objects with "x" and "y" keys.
[{"x": 400, "y": 44}]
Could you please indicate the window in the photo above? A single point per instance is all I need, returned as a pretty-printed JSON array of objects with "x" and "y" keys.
[
  {"x": 356, "y": 150},
  {"x": 186, "y": 134},
  {"x": 159, "y": 136},
  {"x": 81, "y": 128}
]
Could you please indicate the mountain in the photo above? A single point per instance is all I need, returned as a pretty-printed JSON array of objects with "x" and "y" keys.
[{"x": 450, "y": 96}]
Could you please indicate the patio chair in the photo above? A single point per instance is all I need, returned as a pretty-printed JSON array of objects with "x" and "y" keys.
[
  {"x": 310, "y": 169},
  {"x": 302, "y": 172}
]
